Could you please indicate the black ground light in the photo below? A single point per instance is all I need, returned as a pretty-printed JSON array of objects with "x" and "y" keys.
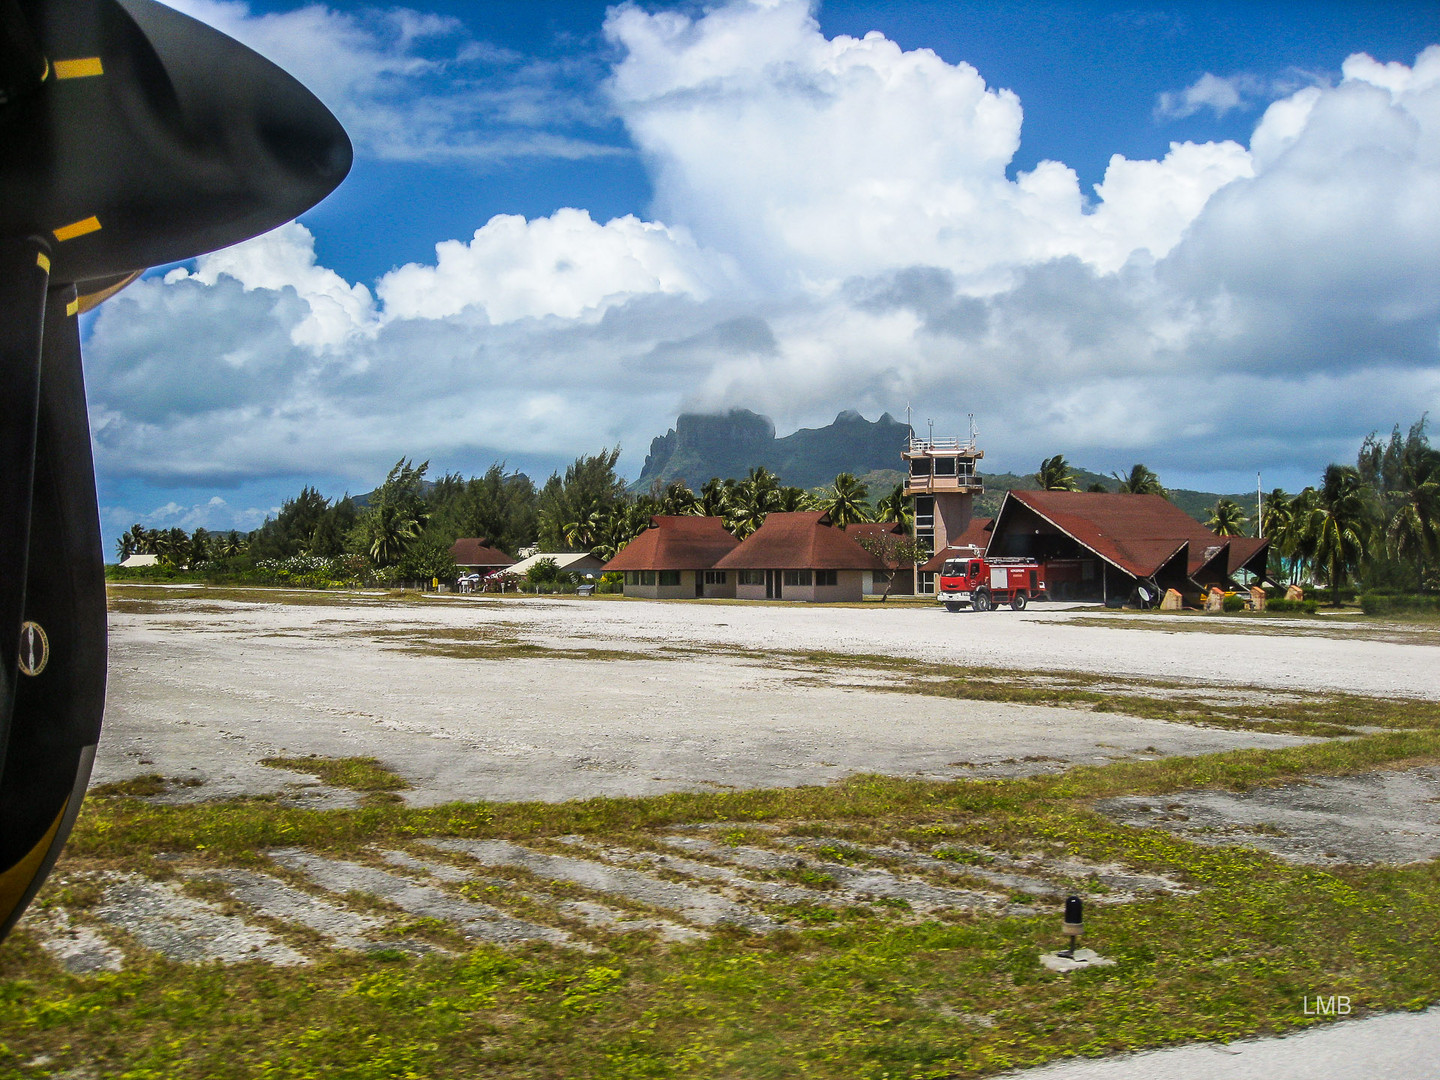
[
  {"x": 1074, "y": 924},
  {"x": 130, "y": 136}
]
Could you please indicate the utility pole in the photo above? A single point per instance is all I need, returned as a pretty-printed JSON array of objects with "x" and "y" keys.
[{"x": 1259, "y": 508}]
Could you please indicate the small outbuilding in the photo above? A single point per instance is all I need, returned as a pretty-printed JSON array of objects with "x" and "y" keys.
[
  {"x": 800, "y": 556},
  {"x": 474, "y": 555},
  {"x": 581, "y": 563},
  {"x": 675, "y": 557}
]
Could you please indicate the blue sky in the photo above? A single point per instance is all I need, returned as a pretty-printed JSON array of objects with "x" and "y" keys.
[{"x": 1196, "y": 235}]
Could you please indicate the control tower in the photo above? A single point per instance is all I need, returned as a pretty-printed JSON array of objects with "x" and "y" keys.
[{"x": 942, "y": 483}]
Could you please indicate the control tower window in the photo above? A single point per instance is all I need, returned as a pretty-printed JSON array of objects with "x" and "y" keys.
[
  {"x": 920, "y": 467},
  {"x": 944, "y": 466}
]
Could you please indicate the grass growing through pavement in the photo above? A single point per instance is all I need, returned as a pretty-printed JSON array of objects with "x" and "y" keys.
[
  {"x": 355, "y": 773},
  {"x": 860, "y": 993}
]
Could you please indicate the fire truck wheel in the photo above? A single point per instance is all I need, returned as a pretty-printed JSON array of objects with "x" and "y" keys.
[
  {"x": 1018, "y": 601},
  {"x": 982, "y": 601},
  {"x": 952, "y": 608}
]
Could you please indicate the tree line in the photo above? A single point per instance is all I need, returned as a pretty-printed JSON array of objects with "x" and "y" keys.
[
  {"x": 404, "y": 530},
  {"x": 1375, "y": 524}
]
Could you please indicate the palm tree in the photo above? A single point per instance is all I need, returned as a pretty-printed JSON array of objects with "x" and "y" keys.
[
  {"x": 1294, "y": 539},
  {"x": 1337, "y": 531},
  {"x": 715, "y": 496},
  {"x": 844, "y": 501},
  {"x": 792, "y": 499},
  {"x": 1413, "y": 532},
  {"x": 1227, "y": 519},
  {"x": 391, "y": 529},
  {"x": 677, "y": 498},
  {"x": 171, "y": 547},
  {"x": 584, "y": 532},
  {"x": 1276, "y": 525},
  {"x": 128, "y": 544},
  {"x": 896, "y": 507},
  {"x": 1055, "y": 475},
  {"x": 1141, "y": 481},
  {"x": 232, "y": 545}
]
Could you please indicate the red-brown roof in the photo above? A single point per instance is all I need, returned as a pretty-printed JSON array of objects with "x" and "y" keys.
[
  {"x": 1244, "y": 549},
  {"x": 676, "y": 543},
  {"x": 799, "y": 541},
  {"x": 473, "y": 551},
  {"x": 1137, "y": 533}
]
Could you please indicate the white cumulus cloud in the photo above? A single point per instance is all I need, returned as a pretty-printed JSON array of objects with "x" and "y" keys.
[{"x": 564, "y": 265}]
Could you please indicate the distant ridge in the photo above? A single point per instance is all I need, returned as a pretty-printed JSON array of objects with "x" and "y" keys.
[{"x": 731, "y": 444}]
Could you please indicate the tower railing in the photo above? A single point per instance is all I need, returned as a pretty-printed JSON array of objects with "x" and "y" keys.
[{"x": 953, "y": 445}]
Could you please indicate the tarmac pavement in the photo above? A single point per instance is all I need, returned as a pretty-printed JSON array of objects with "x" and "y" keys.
[{"x": 1390, "y": 1046}]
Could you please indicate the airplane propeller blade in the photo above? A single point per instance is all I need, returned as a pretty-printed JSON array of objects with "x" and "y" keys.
[{"x": 130, "y": 135}]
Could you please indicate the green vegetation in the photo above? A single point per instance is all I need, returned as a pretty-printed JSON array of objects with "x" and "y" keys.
[
  {"x": 1055, "y": 475},
  {"x": 355, "y": 773},
  {"x": 1140, "y": 480},
  {"x": 844, "y": 992},
  {"x": 1377, "y": 522}
]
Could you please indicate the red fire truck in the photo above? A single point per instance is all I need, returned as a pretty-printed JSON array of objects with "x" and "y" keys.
[{"x": 986, "y": 584}]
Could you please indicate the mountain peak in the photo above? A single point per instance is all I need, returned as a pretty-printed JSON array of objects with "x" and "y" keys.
[{"x": 731, "y": 444}]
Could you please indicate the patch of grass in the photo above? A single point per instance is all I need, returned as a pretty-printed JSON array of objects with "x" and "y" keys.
[
  {"x": 356, "y": 773},
  {"x": 1355, "y": 626},
  {"x": 1245, "y": 708},
  {"x": 141, "y": 787}
]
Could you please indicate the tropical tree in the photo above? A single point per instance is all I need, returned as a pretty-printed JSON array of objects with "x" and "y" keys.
[
  {"x": 396, "y": 515},
  {"x": 845, "y": 499},
  {"x": 291, "y": 531},
  {"x": 428, "y": 560},
  {"x": 1412, "y": 533},
  {"x": 171, "y": 547},
  {"x": 793, "y": 499},
  {"x": 389, "y": 530},
  {"x": 498, "y": 506},
  {"x": 715, "y": 496},
  {"x": 232, "y": 545},
  {"x": 1140, "y": 481},
  {"x": 751, "y": 501},
  {"x": 1227, "y": 518},
  {"x": 128, "y": 543},
  {"x": 896, "y": 507},
  {"x": 1275, "y": 523},
  {"x": 1055, "y": 475},
  {"x": 677, "y": 498},
  {"x": 585, "y": 531},
  {"x": 1338, "y": 528},
  {"x": 900, "y": 552},
  {"x": 589, "y": 485}
]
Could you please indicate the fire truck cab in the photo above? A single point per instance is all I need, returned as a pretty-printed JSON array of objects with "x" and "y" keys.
[{"x": 986, "y": 584}]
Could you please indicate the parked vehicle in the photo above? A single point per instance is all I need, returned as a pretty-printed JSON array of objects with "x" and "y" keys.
[{"x": 986, "y": 584}]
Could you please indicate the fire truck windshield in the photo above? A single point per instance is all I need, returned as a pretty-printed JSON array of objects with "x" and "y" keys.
[{"x": 953, "y": 568}]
